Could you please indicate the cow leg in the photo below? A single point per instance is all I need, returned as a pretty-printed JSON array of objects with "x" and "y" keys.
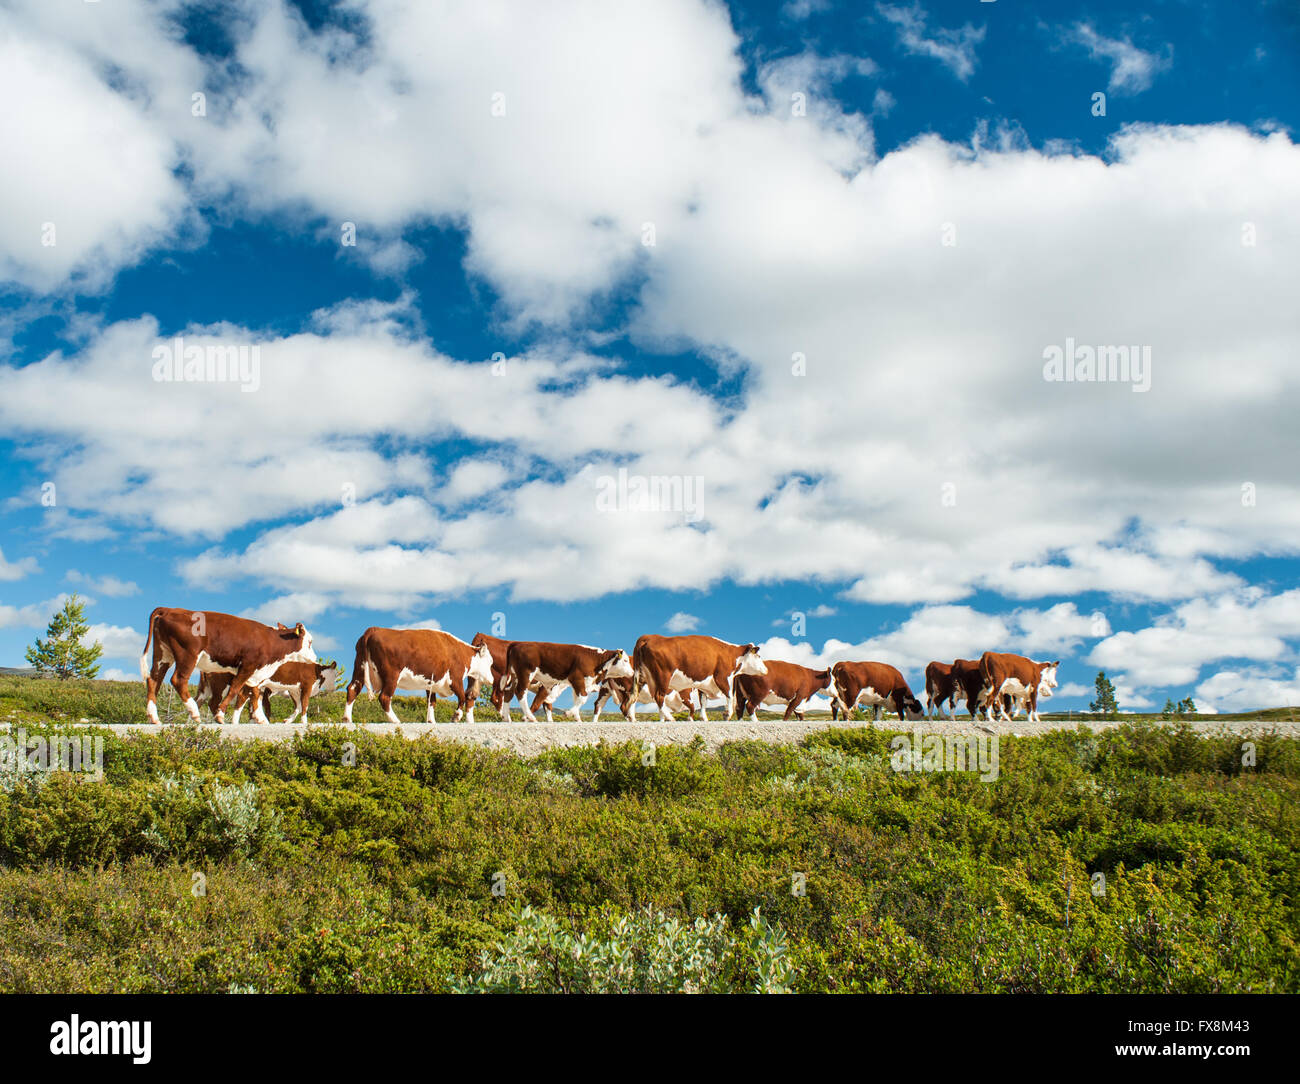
[
  {"x": 579, "y": 697},
  {"x": 306, "y": 699},
  {"x": 233, "y": 693},
  {"x": 181, "y": 683},
  {"x": 151, "y": 683},
  {"x": 241, "y": 702},
  {"x": 789, "y": 710},
  {"x": 386, "y": 701},
  {"x": 429, "y": 702},
  {"x": 262, "y": 707},
  {"x": 295, "y": 695},
  {"x": 360, "y": 672},
  {"x": 529, "y": 714}
]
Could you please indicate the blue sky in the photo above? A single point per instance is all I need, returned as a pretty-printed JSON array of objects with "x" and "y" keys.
[{"x": 804, "y": 259}]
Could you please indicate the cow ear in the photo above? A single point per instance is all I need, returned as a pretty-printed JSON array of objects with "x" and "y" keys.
[
  {"x": 299, "y": 629},
  {"x": 282, "y": 626}
]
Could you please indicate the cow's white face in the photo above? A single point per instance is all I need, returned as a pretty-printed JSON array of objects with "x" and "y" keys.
[
  {"x": 329, "y": 678},
  {"x": 1047, "y": 682},
  {"x": 913, "y": 710},
  {"x": 620, "y": 666},
  {"x": 750, "y": 663},
  {"x": 480, "y": 665},
  {"x": 305, "y": 653}
]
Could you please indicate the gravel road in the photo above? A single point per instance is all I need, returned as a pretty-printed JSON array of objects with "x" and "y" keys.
[{"x": 529, "y": 739}]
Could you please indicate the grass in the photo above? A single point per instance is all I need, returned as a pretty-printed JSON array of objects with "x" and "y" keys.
[
  {"x": 348, "y": 861},
  {"x": 33, "y": 700}
]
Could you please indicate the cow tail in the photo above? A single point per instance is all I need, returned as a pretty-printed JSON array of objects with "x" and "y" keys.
[{"x": 144, "y": 655}]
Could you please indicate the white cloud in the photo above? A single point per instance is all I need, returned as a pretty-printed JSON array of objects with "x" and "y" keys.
[
  {"x": 840, "y": 249},
  {"x": 82, "y": 160},
  {"x": 1247, "y": 690},
  {"x": 1248, "y": 624},
  {"x": 682, "y": 622},
  {"x": 109, "y": 586},
  {"x": 119, "y": 641},
  {"x": 304, "y": 606},
  {"x": 36, "y": 615},
  {"x": 16, "y": 570},
  {"x": 944, "y": 633},
  {"x": 1132, "y": 69},
  {"x": 954, "y": 49}
]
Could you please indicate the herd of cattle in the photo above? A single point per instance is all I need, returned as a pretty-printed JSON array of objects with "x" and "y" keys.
[{"x": 246, "y": 662}]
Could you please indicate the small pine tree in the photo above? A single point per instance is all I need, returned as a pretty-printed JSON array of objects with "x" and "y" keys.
[
  {"x": 1105, "y": 704},
  {"x": 1170, "y": 710},
  {"x": 62, "y": 654}
]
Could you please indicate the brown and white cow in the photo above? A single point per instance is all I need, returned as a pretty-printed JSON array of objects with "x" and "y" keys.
[
  {"x": 785, "y": 684},
  {"x": 876, "y": 684},
  {"x": 299, "y": 681},
  {"x": 1018, "y": 678},
  {"x": 553, "y": 667},
  {"x": 960, "y": 681},
  {"x": 498, "y": 698},
  {"x": 426, "y": 660},
  {"x": 213, "y": 642},
  {"x": 621, "y": 690},
  {"x": 666, "y": 664}
]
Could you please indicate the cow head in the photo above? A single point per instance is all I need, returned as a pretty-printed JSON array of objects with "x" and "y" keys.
[
  {"x": 480, "y": 665},
  {"x": 298, "y": 641},
  {"x": 615, "y": 665},
  {"x": 822, "y": 678},
  {"x": 1047, "y": 678},
  {"x": 749, "y": 661},
  {"x": 327, "y": 677},
  {"x": 912, "y": 708}
]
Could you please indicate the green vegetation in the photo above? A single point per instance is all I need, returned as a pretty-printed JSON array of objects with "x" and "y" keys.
[
  {"x": 344, "y": 860},
  {"x": 62, "y": 654}
]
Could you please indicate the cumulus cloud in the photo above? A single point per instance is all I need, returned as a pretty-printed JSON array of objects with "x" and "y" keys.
[
  {"x": 108, "y": 586},
  {"x": 1248, "y": 624},
  {"x": 35, "y": 615},
  {"x": 682, "y": 622},
  {"x": 1248, "y": 689},
  {"x": 1012, "y": 484},
  {"x": 119, "y": 641},
  {"x": 16, "y": 570}
]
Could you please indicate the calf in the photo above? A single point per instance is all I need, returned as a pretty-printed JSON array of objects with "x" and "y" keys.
[
  {"x": 666, "y": 664},
  {"x": 959, "y": 681},
  {"x": 939, "y": 686},
  {"x": 429, "y": 660},
  {"x": 876, "y": 684},
  {"x": 785, "y": 683},
  {"x": 621, "y": 690},
  {"x": 499, "y": 698},
  {"x": 216, "y": 643},
  {"x": 554, "y": 666},
  {"x": 299, "y": 681},
  {"x": 1013, "y": 677}
]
